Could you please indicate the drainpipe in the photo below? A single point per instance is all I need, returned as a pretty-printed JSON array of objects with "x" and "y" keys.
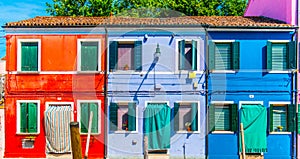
[
  {"x": 295, "y": 96},
  {"x": 105, "y": 96},
  {"x": 206, "y": 91}
]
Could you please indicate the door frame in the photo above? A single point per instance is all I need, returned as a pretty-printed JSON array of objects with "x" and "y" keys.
[{"x": 47, "y": 104}]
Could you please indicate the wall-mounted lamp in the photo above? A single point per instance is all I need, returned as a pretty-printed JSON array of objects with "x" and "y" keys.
[{"x": 157, "y": 52}]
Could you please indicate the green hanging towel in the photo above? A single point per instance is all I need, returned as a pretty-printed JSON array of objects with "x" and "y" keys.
[
  {"x": 157, "y": 126},
  {"x": 254, "y": 119}
]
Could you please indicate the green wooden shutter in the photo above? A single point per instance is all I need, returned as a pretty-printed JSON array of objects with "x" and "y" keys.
[
  {"x": 236, "y": 55},
  {"x": 89, "y": 56},
  {"x": 291, "y": 117},
  {"x": 211, "y": 113},
  {"x": 32, "y": 117},
  {"x": 292, "y": 63},
  {"x": 194, "y": 124},
  {"x": 113, "y": 55},
  {"x": 138, "y": 55},
  {"x": 84, "y": 117},
  {"x": 234, "y": 117},
  {"x": 181, "y": 55},
  {"x": 269, "y": 55},
  {"x": 94, "y": 108},
  {"x": 194, "y": 55},
  {"x": 176, "y": 116},
  {"x": 23, "y": 119},
  {"x": 211, "y": 55},
  {"x": 29, "y": 56},
  {"x": 271, "y": 117},
  {"x": 113, "y": 116},
  {"x": 131, "y": 116}
]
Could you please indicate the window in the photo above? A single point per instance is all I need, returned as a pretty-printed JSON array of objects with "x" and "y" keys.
[
  {"x": 186, "y": 116},
  {"x": 28, "y": 117},
  {"x": 86, "y": 107},
  {"x": 282, "y": 117},
  {"x": 29, "y": 55},
  {"x": 224, "y": 55},
  {"x": 281, "y": 56},
  {"x": 187, "y": 55},
  {"x": 122, "y": 116},
  {"x": 223, "y": 117},
  {"x": 88, "y": 55},
  {"x": 125, "y": 55}
]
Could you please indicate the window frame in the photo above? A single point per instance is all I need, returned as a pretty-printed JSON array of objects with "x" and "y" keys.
[
  {"x": 18, "y": 102},
  {"x": 198, "y": 116},
  {"x": 19, "y": 55},
  {"x": 287, "y": 122},
  {"x": 287, "y": 42},
  {"x": 125, "y": 104},
  {"x": 212, "y": 45},
  {"x": 177, "y": 57},
  {"x": 129, "y": 41},
  {"x": 79, "y": 115},
  {"x": 228, "y": 104},
  {"x": 79, "y": 41}
]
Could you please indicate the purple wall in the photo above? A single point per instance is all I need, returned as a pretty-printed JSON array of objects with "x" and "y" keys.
[{"x": 284, "y": 10}]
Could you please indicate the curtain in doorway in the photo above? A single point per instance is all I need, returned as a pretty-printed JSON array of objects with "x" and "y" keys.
[
  {"x": 254, "y": 119},
  {"x": 157, "y": 126},
  {"x": 58, "y": 137}
]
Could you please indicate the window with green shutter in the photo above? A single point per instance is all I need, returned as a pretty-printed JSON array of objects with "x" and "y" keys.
[
  {"x": 223, "y": 55},
  {"x": 223, "y": 117},
  {"x": 89, "y": 56},
  {"x": 85, "y": 112},
  {"x": 125, "y": 55},
  {"x": 282, "y": 117},
  {"x": 29, "y": 56},
  {"x": 186, "y": 116},
  {"x": 187, "y": 55},
  {"x": 281, "y": 55},
  {"x": 122, "y": 116},
  {"x": 28, "y": 117}
]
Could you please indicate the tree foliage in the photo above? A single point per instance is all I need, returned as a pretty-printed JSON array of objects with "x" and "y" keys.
[{"x": 146, "y": 8}]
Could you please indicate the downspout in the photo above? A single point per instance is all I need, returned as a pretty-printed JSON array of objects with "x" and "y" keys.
[
  {"x": 296, "y": 78},
  {"x": 105, "y": 96},
  {"x": 206, "y": 91},
  {"x": 295, "y": 95}
]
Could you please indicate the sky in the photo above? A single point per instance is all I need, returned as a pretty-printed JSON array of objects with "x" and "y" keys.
[{"x": 16, "y": 10}]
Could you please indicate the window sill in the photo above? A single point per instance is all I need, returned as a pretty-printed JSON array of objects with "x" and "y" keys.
[
  {"x": 223, "y": 71},
  {"x": 287, "y": 71},
  {"x": 280, "y": 133},
  {"x": 89, "y": 72},
  {"x": 24, "y": 134},
  {"x": 222, "y": 132},
  {"x": 91, "y": 133},
  {"x": 187, "y": 132},
  {"x": 124, "y": 132},
  {"x": 28, "y": 72}
]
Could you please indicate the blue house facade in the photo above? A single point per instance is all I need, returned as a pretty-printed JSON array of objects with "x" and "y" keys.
[
  {"x": 251, "y": 83},
  {"x": 156, "y": 100}
]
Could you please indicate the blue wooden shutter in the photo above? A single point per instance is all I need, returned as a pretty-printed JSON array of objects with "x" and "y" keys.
[
  {"x": 131, "y": 116},
  {"x": 236, "y": 55},
  {"x": 194, "y": 115},
  {"x": 269, "y": 55},
  {"x": 271, "y": 117},
  {"x": 32, "y": 117},
  {"x": 194, "y": 55},
  {"x": 113, "y": 116},
  {"x": 113, "y": 55},
  {"x": 211, "y": 55},
  {"x": 29, "y": 56},
  {"x": 89, "y": 56},
  {"x": 181, "y": 55},
  {"x": 138, "y": 55},
  {"x": 24, "y": 117},
  {"x": 211, "y": 113},
  {"x": 176, "y": 116},
  {"x": 94, "y": 108},
  {"x": 292, "y": 61},
  {"x": 84, "y": 117},
  {"x": 234, "y": 117},
  {"x": 291, "y": 117}
]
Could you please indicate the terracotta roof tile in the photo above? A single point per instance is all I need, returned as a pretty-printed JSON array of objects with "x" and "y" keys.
[{"x": 212, "y": 21}]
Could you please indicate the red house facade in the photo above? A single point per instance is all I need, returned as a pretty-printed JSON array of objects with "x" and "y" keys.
[{"x": 55, "y": 75}]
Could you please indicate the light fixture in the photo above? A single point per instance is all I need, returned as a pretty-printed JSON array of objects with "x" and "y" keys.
[
  {"x": 146, "y": 36},
  {"x": 157, "y": 52}
]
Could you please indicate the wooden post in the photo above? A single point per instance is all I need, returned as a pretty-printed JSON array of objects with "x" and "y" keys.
[
  {"x": 145, "y": 147},
  {"x": 243, "y": 141},
  {"x": 75, "y": 140},
  {"x": 88, "y": 138}
]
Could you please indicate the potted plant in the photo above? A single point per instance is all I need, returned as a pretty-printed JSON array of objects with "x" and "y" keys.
[
  {"x": 279, "y": 128},
  {"x": 126, "y": 67},
  {"x": 188, "y": 126}
]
